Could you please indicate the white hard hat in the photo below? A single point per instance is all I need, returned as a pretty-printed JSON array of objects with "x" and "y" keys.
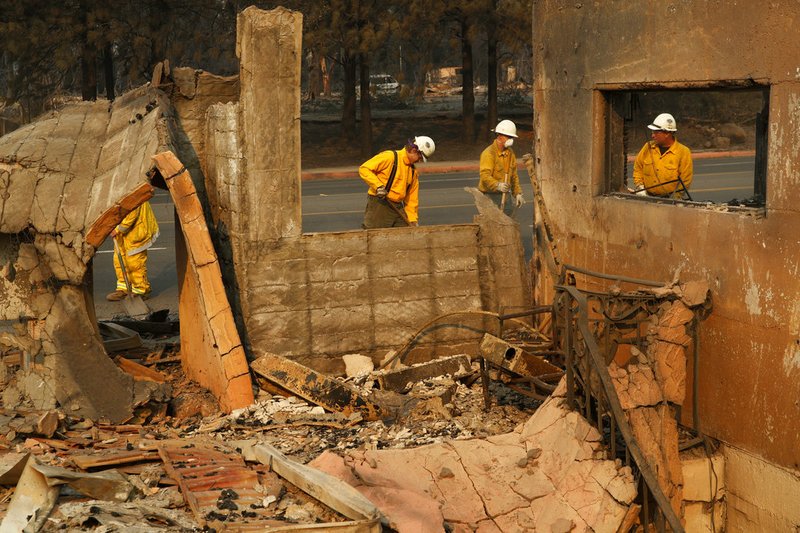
[
  {"x": 507, "y": 128},
  {"x": 665, "y": 122},
  {"x": 425, "y": 145}
]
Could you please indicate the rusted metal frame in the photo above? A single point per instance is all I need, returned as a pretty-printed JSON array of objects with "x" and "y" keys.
[
  {"x": 568, "y": 348},
  {"x": 632, "y": 444},
  {"x": 659, "y": 520},
  {"x": 613, "y": 434},
  {"x": 539, "y": 309},
  {"x": 485, "y": 383},
  {"x": 731, "y": 83},
  {"x": 527, "y": 392},
  {"x": 645, "y": 505},
  {"x": 614, "y": 277}
]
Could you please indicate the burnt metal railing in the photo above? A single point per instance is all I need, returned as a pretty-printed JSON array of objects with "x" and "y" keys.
[{"x": 587, "y": 320}]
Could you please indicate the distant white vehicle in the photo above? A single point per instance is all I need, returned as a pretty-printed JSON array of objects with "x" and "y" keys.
[{"x": 383, "y": 84}]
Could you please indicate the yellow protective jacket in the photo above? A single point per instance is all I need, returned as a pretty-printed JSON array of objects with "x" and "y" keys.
[
  {"x": 405, "y": 187},
  {"x": 495, "y": 165},
  {"x": 139, "y": 229},
  {"x": 653, "y": 168}
]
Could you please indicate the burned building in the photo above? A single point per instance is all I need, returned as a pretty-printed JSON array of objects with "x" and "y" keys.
[{"x": 590, "y": 58}]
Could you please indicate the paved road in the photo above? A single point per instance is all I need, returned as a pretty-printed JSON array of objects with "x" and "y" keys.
[{"x": 338, "y": 205}]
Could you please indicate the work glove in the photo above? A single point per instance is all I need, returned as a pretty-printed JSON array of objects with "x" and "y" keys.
[
  {"x": 520, "y": 200},
  {"x": 641, "y": 192},
  {"x": 381, "y": 192},
  {"x": 502, "y": 187}
]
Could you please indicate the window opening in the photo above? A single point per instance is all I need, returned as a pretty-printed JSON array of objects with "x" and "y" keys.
[{"x": 724, "y": 128}]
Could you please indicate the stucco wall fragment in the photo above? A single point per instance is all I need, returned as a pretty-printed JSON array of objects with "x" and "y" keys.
[
  {"x": 65, "y": 181},
  {"x": 747, "y": 367}
]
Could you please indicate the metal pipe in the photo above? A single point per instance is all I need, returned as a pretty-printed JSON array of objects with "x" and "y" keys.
[
  {"x": 529, "y": 312},
  {"x": 568, "y": 348},
  {"x": 611, "y": 277},
  {"x": 485, "y": 383}
]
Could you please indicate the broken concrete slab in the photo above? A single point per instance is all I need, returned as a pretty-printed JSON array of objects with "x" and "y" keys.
[
  {"x": 134, "y": 517},
  {"x": 11, "y": 466},
  {"x": 107, "y": 485},
  {"x": 495, "y": 484},
  {"x": 331, "y": 491},
  {"x": 357, "y": 365},
  {"x": 92, "y": 158},
  {"x": 32, "y": 501}
]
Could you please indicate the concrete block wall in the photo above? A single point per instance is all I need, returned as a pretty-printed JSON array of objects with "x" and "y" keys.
[
  {"x": 761, "y": 496},
  {"x": 324, "y": 295}
]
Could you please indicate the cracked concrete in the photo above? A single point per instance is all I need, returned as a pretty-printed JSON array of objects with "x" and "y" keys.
[
  {"x": 551, "y": 472},
  {"x": 65, "y": 182}
]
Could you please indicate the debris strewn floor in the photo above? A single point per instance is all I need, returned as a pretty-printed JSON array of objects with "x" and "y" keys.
[{"x": 74, "y": 460}]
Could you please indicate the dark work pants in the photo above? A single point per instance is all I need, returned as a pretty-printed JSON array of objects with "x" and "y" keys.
[
  {"x": 497, "y": 197},
  {"x": 379, "y": 214}
]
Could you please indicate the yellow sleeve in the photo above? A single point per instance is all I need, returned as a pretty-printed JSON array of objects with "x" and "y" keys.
[
  {"x": 412, "y": 199},
  {"x": 487, "y": 183},
  {"x": 638, "y": 168},
  {"x": 371, "y": 170},
  {"x": 686, "y": 168}
]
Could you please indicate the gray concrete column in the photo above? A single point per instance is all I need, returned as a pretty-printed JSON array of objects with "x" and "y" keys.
[{"x": 269, "y": 46}]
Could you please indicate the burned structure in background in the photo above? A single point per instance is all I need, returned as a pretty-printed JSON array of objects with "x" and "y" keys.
[{"x": 750, "y": 346}]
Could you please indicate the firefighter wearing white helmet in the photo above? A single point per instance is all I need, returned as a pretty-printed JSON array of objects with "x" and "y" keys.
[
  {"x": 393, "y": 195},
  {"x": 663, "y": 167},
  {"x": 498, "y": 169}
]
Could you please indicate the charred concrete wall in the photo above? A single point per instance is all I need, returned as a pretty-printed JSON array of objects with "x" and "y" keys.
[
  {"x": 317, "y": 296},
  {"x": 750, "y": 346},
  {"x": 65, "y": 181}
]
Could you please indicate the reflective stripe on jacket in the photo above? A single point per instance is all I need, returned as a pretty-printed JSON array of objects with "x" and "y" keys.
[
  {"x": 653, "y": 168},
  {"x": 139, "y": 229},
  {"x": 405, "y": 187},
  {"x": 493, "y": 167}
]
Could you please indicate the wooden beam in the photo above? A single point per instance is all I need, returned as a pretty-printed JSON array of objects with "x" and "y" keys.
[
  {"x": 331, "y": 491},
  {"x": 317, "y": 388},
  {"x": 457, "y": 366}
]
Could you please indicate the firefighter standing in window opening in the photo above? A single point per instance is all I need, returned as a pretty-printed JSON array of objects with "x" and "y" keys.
[
  {"x": 132, "y": 237},
  {"x": 393, "y": 195},
  {"x": 663, "y": 167},
  {"x": 498, "y": 170}
]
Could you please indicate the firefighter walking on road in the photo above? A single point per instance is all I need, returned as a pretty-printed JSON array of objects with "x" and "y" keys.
[
  {"x": 499, "y": 179},
  {"x": 132, "y": 237},
  {"x": 393, "y": 195}
]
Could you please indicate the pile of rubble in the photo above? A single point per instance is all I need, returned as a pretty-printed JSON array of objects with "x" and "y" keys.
[{"x": 59, "y": 471}]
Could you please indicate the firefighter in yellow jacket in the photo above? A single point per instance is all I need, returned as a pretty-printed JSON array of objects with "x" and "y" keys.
[
  {"x": 132, "y": 237},
  {"x": 393, "y": 195},
  {"x": 499, "y": 179},
  {"x": 663, "y": 167}
]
